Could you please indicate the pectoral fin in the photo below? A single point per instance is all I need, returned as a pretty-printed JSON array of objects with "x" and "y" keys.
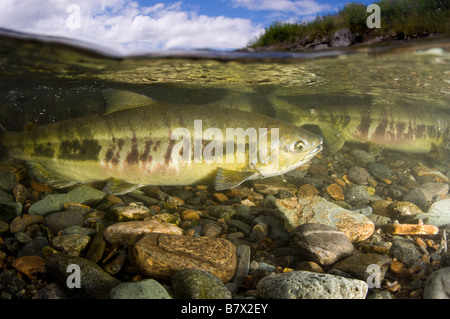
[
  {"x": 375, "y": 149},
  {"x": 118, "y": 187},
  {"x": 44, "y": 175},
  {"x": 332, "y": 138},
  {"x": 226, "y": 178}
]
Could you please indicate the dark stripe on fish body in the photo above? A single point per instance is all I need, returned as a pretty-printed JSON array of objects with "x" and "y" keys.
[
  {"x": 133, "y": 155},
  {"x": 144, "y": 157},
  {"x": 43, "y": 150},
  {"x": 168, "y": 154},
  {"x": 115, "y": 160},
  {"x": 74, "y": 150},
  {"x": 366, "y": 121}
]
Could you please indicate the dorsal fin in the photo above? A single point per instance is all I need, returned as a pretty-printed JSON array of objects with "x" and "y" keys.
[{"x": 119, "y": 100}]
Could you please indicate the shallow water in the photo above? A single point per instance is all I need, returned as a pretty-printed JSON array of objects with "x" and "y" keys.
[
  {"x": 49, "y": 79},
  {"x": 44, "y": 80}
]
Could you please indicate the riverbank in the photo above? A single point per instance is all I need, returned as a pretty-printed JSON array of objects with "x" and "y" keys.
[
  {"x": 392, "y": 21},
  {"x": 342, "y": 39}
]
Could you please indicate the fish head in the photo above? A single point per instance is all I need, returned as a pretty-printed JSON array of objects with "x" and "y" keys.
[{"x": 294, "y": 147}]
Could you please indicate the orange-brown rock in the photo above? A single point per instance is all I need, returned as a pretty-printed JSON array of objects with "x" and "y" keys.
[
  {"x": 335, "y": 192},
  {"x": 307, "y": 190},
  {"x": 220, "y": 197},
  {"x": 411, "y": 229},
  {"x": 162, "y": 255},
  {"x": 30, "y": 265}
]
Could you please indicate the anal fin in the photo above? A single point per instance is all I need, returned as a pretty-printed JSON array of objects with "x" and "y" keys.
[
  {"x": 44, "y": 175},
  {"x": 226, "y": 178},
  {"x": 118, "y": 187}
]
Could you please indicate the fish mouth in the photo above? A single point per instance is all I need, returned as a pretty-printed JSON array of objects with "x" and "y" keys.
[{"x": 306, "y": 159}]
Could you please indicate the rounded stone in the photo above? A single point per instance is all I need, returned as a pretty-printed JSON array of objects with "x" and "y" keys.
[
  {"x": 405, "y": 251},
  {"x": 380, "y": 171},
  {"x": 358, "y": 175},
  {"x": 144, "y": 289},
  {"x": 72, "y": 244},
  {"x": 197, "y": 284},
  {"x": 160, "y": 256},
  {"x": 60, "y": 220},
  {"x": 437, "y": 285},
  {"x": 310, "y": 285},
  {"x": 399, "y": 210},
  {"x": 20, "y": 224},
  {"x": 321, "y": 243}
]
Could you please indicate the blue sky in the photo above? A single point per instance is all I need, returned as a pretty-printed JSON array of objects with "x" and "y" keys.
[{"x": 137, "y": 26}]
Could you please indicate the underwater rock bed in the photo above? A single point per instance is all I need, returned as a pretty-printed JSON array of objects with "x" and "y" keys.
[{"x": 351, "y": 225}]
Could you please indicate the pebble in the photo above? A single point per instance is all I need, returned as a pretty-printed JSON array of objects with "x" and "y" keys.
[
  {"x": 83, "y": 194},
  {"x": 223, "y": 211},
  {"x": 437, "y": 285},
  {"x": 310, "y": 285},
  {"x": 71, "y": 244},
  {"x": 131, "y": 212},
  {"x": 30, "y": 265},
  {"x": 34, "y": 247},
  {"x": 8, "y": 181},
  {"x": 50, "y": 291},
  {"x": 419, "y": 196},
  {"x": 411, "y": 229},
  {"x": 402, "y": 209},
  {"x": 144, "y": 289},
  {"x": 94, "y": 281},
  {"x": 9, "y": 211},
  {"x": 358, "y": 175},
  {"x": 362, "y": 157},
  {"x": 438, "y": 214},
  {"x": 198, "y": 284},
  {"x": 125, "y": 233},
  {"x": 20, "y": 223},
  {"x": 243, "y": 253},
  {"x": 358, "y": 193},
  {"x": 423, "y": 171},
  {"x": 162, "y": 255},
  {"x": 363, "y": 265},
  {"x": 315, "y": 209},
  {"x": 190, "y": 214},
  {"x": 60, "y": 220},
  {"x": 307, "y": 190},
  {"x": 380, "y": 171},
  {"x": 321, "y": 243},
  {"x": 335, "y": 192},
  {"x": 404, "y": 251}
]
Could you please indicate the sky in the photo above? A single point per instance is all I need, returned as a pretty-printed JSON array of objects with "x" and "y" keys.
[{"x": 139, "y": 26}]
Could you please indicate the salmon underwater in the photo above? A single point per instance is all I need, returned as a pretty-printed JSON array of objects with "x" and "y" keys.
[
  {"x": 139, "y": 142},
  {"x": 381, "y": 126}
]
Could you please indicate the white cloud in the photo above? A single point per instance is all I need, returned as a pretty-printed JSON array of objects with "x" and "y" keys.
[
  {"x": 126, "y": 26},
  {"x": 300, "y": 7}
]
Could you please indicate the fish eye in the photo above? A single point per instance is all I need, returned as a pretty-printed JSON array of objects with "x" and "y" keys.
[{"x": 299, "y": 146}]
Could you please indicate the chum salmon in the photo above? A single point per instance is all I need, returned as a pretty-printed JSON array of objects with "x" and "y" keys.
[
  {"x": 381, "y": 126},
  {"x": 139, "y": 142}
]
